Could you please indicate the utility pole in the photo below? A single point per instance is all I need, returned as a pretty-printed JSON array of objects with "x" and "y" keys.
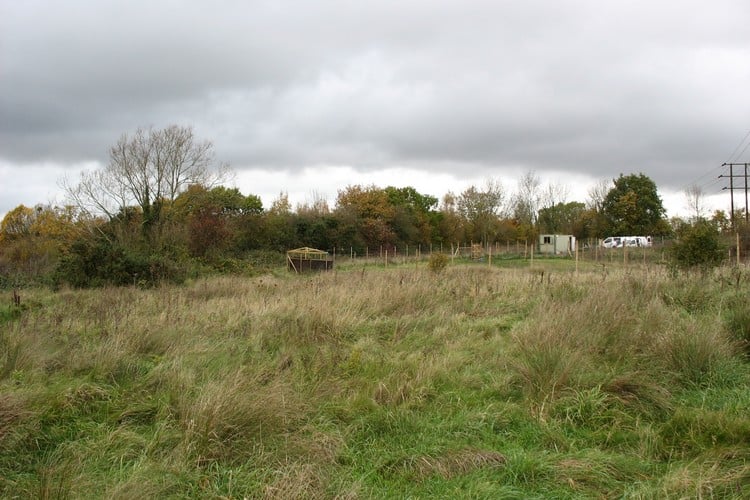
[{"x": 732, "y": 176}]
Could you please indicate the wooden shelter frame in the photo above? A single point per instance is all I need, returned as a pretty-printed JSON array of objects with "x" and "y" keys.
[{"x": 297, "y": 257}]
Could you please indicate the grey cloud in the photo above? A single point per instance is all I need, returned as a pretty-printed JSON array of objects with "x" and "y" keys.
[{"x": 591, "y": 87}]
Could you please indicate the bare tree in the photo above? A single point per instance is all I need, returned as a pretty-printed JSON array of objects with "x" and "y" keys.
[
  {"x": 598, "y": 193},
  {"x": 695, "y": 199},
  {"x": 448, "y": 203},
  {"x": 527, "y": 199},
  {"x": 316, "y": 206},
  {"x": 147, "y": 169},
  {"x": 554, "y": 194}
]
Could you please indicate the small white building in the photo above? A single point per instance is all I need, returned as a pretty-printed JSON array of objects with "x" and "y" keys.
[{"x": 557, "y": 244}]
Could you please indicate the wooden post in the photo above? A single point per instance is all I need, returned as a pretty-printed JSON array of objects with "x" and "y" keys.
[
  {"x": 531, "y": 251},
  {"x": 386, "y": 257},
  {"x": 738, "y": 249}
]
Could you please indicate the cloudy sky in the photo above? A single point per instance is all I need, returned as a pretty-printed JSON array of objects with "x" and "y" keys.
[{"x": 307, "y": 97}]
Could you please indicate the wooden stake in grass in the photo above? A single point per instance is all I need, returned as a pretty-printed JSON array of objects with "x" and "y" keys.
[{"x": 738, "y": 248}]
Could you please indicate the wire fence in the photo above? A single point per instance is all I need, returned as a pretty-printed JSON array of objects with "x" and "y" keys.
[{"x": 586, "y": 250}]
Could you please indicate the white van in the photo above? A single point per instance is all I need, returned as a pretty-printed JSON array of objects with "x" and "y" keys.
[
  {"x": 626, "y": 241},
  {"x": 643, "y": 241},
  {"x": 612, "y": 242}
]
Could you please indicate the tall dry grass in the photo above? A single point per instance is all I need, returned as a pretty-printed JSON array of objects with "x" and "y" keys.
[
  {"x": 587, "y": 332},
  {"x": 288, "y": 386}
]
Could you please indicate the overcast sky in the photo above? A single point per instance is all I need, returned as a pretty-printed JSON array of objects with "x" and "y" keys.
[{"x": 307, "y": 97}]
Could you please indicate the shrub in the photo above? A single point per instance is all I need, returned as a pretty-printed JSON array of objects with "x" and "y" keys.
[
  {"x": 95, "y": 262},
  {"x": 437, "y": 262},
  {"x": 697, "y": 247}
]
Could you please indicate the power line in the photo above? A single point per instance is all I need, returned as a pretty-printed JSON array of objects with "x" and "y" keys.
[
  {"x": 711, "y": 173},
  {"x": 732, "y": 157},
  {"x": 732, "y": 188},
  {"x": 711, "y": 183},
  {"x": 739, "y": 145}
]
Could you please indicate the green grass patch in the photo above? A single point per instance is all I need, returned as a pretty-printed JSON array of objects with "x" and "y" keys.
[{"x": 502, "y": 381}]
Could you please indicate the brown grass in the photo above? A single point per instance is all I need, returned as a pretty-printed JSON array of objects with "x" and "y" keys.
[
  {"x": 451, "y": 464},
  {"x": 12, "y": 411}
]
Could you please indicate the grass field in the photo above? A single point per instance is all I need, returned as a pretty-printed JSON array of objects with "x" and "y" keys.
[{"x": 476, "y": 382}]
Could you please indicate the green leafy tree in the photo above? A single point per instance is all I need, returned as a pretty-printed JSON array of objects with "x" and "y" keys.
[
  {"x": 279, "y": 228},
  {"x": 413, "y": 221},
  {"x": 212, "y": 217},
  {"x": 633, "y": 207},
  {"x": 563, "y": 218},
  {"x": 369, "y": 211},
  {"x": 722, "y": 222},
  {"x": 480, "y": 209},
  {"x": 451, "y": 225}
]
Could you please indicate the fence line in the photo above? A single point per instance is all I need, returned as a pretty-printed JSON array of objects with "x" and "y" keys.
[{"x": 587, "y": 251}]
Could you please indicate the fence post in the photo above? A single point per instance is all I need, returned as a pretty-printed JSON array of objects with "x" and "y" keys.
[{"x": 738, "y": 249}]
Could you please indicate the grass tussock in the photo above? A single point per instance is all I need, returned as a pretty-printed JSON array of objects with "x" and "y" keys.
[
  {"x": 449, "y": 464},
  {"x": 297, "y": 481},
  {"x": 12, "y": 412},
  {"x": 230, "y": 418},
  {"x": 530, "y": 383}
]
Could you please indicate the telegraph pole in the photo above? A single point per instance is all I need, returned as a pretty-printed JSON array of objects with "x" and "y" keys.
[{"x": 732, "y": 176}]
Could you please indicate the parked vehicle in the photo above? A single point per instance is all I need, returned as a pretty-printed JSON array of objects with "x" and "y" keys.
[
  {"x": 627, "y": 241},
  {"x": 612, "y": 242},
  {"x": 642, "y": 241}
]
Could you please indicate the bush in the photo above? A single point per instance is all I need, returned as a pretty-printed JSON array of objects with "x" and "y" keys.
[
  {"x": 95, "y": 262},
  {"x": 697, "y": 247},
  {"x": 437, "y": 262}
]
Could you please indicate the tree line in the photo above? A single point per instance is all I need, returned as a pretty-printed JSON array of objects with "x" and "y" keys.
[{"x": 160, "y": 210}]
